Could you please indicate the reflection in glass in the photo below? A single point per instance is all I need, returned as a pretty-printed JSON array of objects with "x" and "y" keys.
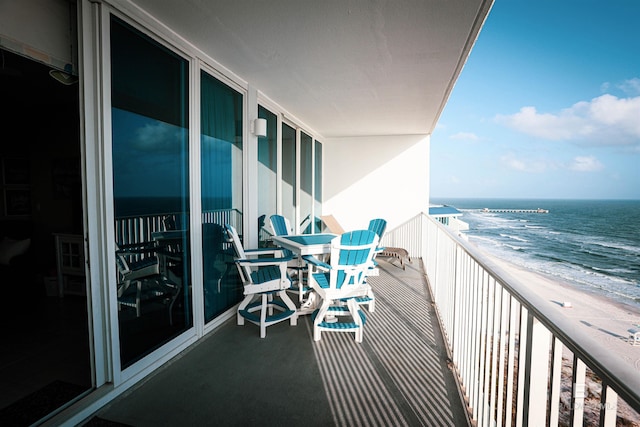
[
  {"x": 267, "y": 174},
  {"x": 317, "y": 194},
  {"x": 150, "y": 189},
  {"x": 289, "y": 173},
  {"x": 306, "y": 182},
  {"x": 221, "y": 159}
]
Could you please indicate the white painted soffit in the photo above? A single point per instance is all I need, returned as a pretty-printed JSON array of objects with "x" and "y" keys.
[{"x": 344, "y": 68}]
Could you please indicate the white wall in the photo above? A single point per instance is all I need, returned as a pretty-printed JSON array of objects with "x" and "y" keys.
[
  {"x": 376, "y": 177},
  {"x": 43, "y": 30}
]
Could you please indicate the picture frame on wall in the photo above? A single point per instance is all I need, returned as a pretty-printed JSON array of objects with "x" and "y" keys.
[
  {"x": 16, "y": 192},
  {"x": 17, "y": 202},
  {"x": 15, "y": 171}
]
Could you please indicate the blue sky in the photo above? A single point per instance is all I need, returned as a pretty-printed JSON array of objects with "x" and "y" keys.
[{"x": 547, "y": 105}]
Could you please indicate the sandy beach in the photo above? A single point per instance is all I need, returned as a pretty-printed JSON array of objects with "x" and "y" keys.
[{"x": 606, "y": 320}]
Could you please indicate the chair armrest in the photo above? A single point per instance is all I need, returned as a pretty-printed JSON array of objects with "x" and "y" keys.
[
  {"x": 316, "y": 262},
  {"x": 257, "y": 262},
  {"x": 138, "y": 248},
  {"x": 264, "y": 251}
]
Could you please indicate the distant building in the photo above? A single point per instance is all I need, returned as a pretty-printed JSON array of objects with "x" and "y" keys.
[{"x": 448, "y": 215}]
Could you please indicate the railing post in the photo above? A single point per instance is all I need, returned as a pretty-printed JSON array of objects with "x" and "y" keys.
[
  {"x": 578, "y": 391},
  {"x": 536, "y": 372},
  {"x": 608, "y": 406},
  {"x": 556, "y": 375}
]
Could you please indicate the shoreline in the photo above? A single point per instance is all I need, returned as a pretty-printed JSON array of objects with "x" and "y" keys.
[
  {"x": 565, "y": 283},
  {"x": 606, "y": 320}
]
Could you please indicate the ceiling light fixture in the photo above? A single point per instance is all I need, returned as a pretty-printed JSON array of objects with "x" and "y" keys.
[{"x": 65, "y": 77}]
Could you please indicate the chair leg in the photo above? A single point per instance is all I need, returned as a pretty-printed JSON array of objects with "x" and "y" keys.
[
  {"x": 263, "y": 314},
  {"x": 372, "y": 303},
  {"x": 353, "y": 309},
  {"x": 138, "y": 296},
  {"x": 290, "y": 305},
  {"x": 245, "y": 302},
  {"x": 322, "y": 312}
]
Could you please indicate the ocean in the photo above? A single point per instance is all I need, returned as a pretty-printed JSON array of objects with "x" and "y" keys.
[{"x": 592, "y": 244}]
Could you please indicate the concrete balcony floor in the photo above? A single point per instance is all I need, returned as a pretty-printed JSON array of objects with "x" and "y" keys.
[{"x": 397, "y": 376}]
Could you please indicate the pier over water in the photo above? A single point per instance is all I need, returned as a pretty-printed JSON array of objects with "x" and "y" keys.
[{"x": 539, "y": 210}]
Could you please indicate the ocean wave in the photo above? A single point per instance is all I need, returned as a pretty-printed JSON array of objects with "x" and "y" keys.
[
  {"x": 575, "y": 245},
  {"x": 518, "y": 238},
  {"x": 617, "y": 246}
]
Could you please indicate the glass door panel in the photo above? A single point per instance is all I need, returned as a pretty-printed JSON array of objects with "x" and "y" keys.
[
  {"x": 289, "y": 173},
  {"x": 306, "y": 183},
  {"x": 151, "y": 191},
  {"x": 317, "y": 191},
  {"x": 267, "y": 174},
  {"x": 221, "y": 160}
]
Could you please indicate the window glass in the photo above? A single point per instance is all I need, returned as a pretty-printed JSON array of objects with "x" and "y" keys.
[
  {"x": 289, "y": 173},
  {"x": 149, "y": 93},
  {"x": 317, "y": 193},
  {"x": 306, "y": 182},
  {"x": 221, "y": 160},
  {"x": 267, "y": 174}
]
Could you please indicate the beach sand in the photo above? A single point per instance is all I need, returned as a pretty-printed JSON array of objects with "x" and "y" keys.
[{"x": 606, "y": 320}]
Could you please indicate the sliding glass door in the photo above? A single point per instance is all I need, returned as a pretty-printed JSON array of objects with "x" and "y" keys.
[
  {"x": 150, "y": 191},
  {"x": 289, "y": 180},
  {"x": 267, "y": 174},
  {"x": 306, "y": 183},
  {"x": 222, "y": 189},
  {"x": 317, "y": 185}
]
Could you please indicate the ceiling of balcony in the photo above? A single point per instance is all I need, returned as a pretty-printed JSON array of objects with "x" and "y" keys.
[{"x": 343, "y": 68}]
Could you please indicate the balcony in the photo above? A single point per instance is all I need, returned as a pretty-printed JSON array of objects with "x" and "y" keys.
[
  {"x": 461, "y": 337},
  {"x": 399, "y": 375}
]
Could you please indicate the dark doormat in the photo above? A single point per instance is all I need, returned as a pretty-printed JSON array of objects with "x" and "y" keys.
[
  {"x": 101, "y": 422},
  {"x": 40, "y": 403}
]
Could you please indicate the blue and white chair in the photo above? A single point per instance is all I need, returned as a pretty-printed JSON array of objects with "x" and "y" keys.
[
  {"x": 138, "y": 265},
  {"x": 378, "y": 226},
  {"x": 341, "y": 282},
  {"x": 297, "y": 267},
  {"x": 265, "y": 283}
]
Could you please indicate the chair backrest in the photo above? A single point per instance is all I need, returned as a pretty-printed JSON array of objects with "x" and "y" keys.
[
  {"x": 332, "y": 224},
  {"x": 121, "y": 262},
  {"x": 245, "y": 272},
  {"x": 280, "y": 225},
  {"x": 311, "y": 225},
  {"x": 378, "y": 226},
  {"x": 351, "y": 255}
]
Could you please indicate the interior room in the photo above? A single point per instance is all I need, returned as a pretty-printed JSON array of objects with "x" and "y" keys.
[{"x": 45, "y": 334}]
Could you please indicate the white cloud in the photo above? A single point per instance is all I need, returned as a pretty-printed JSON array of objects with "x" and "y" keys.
[
  {"x": 467, "y": 136},
  {"x": 511, "y": 161},
  {"x": 605, "y": 120},
  {"x": 157, "y": 137},
  {"x": 631, "y": 86},
  {"x": 524, "y": 164},
  {"x": 586, "y": 164}
]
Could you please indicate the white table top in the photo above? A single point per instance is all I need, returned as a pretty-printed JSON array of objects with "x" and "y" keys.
[{"x": 306, "y": 244}]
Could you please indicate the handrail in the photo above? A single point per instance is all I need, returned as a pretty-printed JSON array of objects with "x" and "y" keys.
[
  {"x": 500, "y": 332},
  {"x": 139, "y": 228}
]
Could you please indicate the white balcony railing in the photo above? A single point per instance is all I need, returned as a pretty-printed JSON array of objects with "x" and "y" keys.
[
  {"x": 518, "y": 363},
  {"x": 138, "y": 229}
]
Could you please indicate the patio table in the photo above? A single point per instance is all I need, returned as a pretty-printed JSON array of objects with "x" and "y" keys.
[
  {"x": 303, "y": 245},
  {"x": 306, "y": 244}
]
